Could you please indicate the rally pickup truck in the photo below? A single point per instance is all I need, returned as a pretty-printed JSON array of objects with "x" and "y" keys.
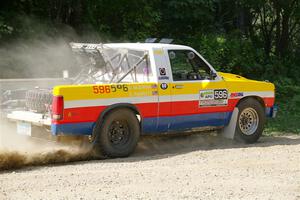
[{"x": 126, "y": 90}]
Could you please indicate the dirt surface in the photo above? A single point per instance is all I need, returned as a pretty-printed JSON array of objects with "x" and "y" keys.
[{"x": 202, "y": 166}]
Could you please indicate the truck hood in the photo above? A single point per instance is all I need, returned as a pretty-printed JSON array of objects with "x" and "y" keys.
[
  {"x": 232, "y": 77},
  {"x": 237, "y": 78}
]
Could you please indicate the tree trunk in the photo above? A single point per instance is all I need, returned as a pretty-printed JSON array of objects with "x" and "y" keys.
[{"x": 283, "y": 42}]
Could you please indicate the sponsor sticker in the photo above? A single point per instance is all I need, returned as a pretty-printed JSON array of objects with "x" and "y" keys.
[
  {"x": 158, "y": 52},
  {"x": 164, "y": 86},
  {"x": 236, "y": 94},
  {"x": 217, "y": 97},
  {"x": 206, "y": 94},
  {"x": 163, "y": 74},
  {"x": 154, "y": 93},
  {"x": 154, "y": 86},
  {"x": 163, "y": 78},
  {"x": 162, "y": 71}
]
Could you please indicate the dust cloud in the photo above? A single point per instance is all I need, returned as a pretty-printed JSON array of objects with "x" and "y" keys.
[
  {"x": 42, "y": 54},
  {"x": 182, "y": 143},
  {"x": 20, "y": 151},
  {"x": 42, "y": 57},
  {"x": 36, "y": 59}
]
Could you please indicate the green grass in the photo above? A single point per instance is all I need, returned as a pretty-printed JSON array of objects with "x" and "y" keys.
[
  {"x": 283, "y": 124},
  {"x": 287, "y": 120}
]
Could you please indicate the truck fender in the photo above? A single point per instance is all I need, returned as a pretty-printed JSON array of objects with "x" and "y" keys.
[
  {"x": 117, "y": 106},
  {"x": 258, "y": 98}
]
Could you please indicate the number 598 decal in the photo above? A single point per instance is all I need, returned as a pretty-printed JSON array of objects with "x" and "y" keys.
[
  {"x": 220, "y": 94},
  {"x": 100, "y": 89}
]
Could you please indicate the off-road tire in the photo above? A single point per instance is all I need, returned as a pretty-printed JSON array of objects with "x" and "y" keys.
[
  {"x": 38, "y": 100},
  {"x": 250, "y": 121},
  {"x": 104, "y": 132}
]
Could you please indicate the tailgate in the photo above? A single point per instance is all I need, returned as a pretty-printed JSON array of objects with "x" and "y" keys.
[{"x": 37, "y": 119}]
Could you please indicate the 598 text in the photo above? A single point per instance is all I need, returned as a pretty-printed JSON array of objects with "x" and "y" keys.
[{"x": 100, "y": 89}]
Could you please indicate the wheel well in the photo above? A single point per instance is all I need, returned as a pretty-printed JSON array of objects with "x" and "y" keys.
[
  {"x": 111, "y": 108},
  {"x": 257, "y": 98}
]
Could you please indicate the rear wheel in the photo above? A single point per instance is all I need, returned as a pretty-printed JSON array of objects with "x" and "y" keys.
[
  {"x": 117, "y": 135},
  {"x": 250, "y": 122}
]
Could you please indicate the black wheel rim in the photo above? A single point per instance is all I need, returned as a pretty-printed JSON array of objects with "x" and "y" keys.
[{"x": 118, "y": 133}]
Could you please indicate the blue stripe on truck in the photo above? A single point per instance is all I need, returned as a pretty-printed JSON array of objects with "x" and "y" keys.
[
  {"x": 84, "y": 128},
  {"x": 183, "y": 122},
  {"x": 173, "y": 123}
]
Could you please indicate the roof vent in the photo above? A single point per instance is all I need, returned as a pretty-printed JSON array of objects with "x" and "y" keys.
[
  {"x": 162, "y": 41},
  {"x": 150, "y": 40},
  {"x": 166, "y": 41}
]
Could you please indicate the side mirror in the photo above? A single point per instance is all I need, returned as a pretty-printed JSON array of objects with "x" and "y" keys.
[{"x": 213, "y": 75}]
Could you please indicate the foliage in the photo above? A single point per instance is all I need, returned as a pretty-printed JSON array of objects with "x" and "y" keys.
[
  {"x": 288, "y": 116},
  {"x": 258, "y": 39},
  {"x": 4, "y": 28}
]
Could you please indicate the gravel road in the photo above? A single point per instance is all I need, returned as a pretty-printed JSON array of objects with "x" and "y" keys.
[{"x": 201, "y": 166}]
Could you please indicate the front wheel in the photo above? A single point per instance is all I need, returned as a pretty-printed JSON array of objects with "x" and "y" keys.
[
  {"x": 118, "y": 134},
  {"x": 250, "y": 121}
]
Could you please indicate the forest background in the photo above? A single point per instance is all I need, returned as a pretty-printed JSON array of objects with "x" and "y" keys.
[{"x": 259, "y": 39}]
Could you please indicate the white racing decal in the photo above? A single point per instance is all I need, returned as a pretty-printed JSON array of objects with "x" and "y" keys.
[
  {"x": 155, "y": 99},
  {"x": 182, "y": 97},
  {"x": 109, "y": 101}
]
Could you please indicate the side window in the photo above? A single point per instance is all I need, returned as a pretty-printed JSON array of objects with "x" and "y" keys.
[{"x": 186, "y": 65}]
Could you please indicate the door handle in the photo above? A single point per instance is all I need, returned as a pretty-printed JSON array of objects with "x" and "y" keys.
[{"x": 178, "y": 86}]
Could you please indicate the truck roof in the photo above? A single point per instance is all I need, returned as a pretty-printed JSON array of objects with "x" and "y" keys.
[{"x": 145, "y": 46}]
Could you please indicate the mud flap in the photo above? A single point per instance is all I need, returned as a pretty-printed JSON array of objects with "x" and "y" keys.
[{"x": 229, "y": 130}]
